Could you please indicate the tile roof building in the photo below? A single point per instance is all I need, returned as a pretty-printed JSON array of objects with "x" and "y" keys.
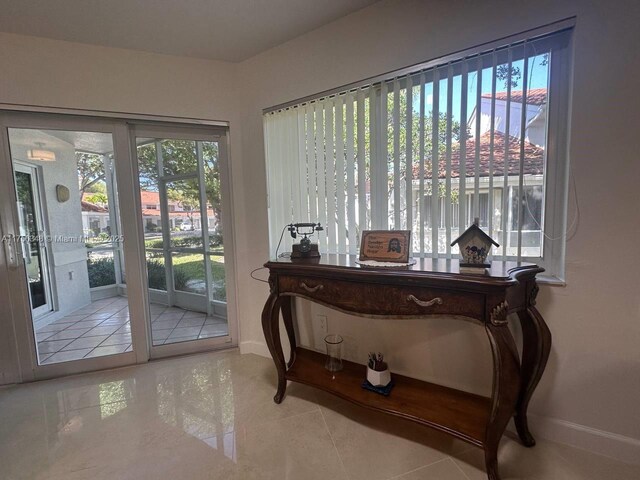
[{"x": 533, "y": 158}]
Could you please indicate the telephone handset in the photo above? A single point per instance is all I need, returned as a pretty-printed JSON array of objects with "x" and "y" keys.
[{"x": 304, "y": 249}]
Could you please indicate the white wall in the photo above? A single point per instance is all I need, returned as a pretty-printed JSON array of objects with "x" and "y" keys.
[
  {"x": 535, "y": 132},
  {"x": 593, "y": 376}
]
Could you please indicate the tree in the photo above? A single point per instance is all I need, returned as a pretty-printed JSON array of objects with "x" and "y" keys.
[
  {"x": 180, "y": 157},
  {"x": 502, "y": 74},
  {"x": 405, "y": 169},
  {"x": 98, "y": 199},
  {"x": 430, "y": 123},
  {"x": 91, "y": 174},
  {"x": 186, "y": 199},
  {"x": 502, "y": 71}
]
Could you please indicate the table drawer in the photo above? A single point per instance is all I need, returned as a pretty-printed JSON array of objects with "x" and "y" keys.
[{"x": 378, "y": 299}]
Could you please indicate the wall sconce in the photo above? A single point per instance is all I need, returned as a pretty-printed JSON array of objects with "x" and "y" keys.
[{"x": 62, "y": 193}]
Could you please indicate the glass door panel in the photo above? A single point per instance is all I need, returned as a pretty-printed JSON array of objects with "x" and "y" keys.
[
  {"x": 33, "y": 248},
  {"x": 72, "y": 251},
  {"x": 183, "y": 205},
  {"x": 181, "y": 211}
]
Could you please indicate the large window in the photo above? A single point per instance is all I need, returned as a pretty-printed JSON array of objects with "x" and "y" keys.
[{"x": 430, "y": 149}]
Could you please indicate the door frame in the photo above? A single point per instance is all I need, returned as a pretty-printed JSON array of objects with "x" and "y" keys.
[
  {"x": 19, "y": 322},
  {"x": 195, "y": 133},
  {"x": 22, "y": 319},
  {"x": 35, "y": 173}
]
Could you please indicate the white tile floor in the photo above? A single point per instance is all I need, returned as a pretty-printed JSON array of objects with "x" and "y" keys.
[
  {"x": 211, "y": 416},
  {"x": 103, "y": 328}
]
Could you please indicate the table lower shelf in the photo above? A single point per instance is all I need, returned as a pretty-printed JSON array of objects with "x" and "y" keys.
[{"x": 463, "y": 415}]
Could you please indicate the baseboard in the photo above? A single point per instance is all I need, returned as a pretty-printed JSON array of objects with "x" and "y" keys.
[
  {"x": 257, "y": 348},
  {"x": 619, "y": 447},
  {"x": 613, "y": 445}
]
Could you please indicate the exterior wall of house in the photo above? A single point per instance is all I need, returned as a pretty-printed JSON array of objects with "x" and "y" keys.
[
  {"x": 535, "y": 130},
  {"x": 531, "y": 238},
  {"x": 92, "y": 221}
]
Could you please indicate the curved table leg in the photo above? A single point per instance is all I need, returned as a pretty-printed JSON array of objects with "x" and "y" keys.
[
  {"x": 536, "y": 345},
  {"x": 287, "y": 316},
  {"x": 506, "y": 386},
  {"x": 270, "y": 327}
]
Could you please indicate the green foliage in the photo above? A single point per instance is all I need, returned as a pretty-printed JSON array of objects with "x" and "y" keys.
[
  {"x": 429, "y": 124},
  {"x": 158, "y": 279},
  {"x": 502, "y": 71},
  {"x": 97, "y": 199},
  {"x": 23, "y": 184},
  {"x": 195, "y": 241},
  {"x": 415, "y": 122},
  {"x": 101, "y": 272},
  {"x": 215, "y": 240},
  {"x": 91, "y": 174},
  {"x": 155, "y": 243},
  {"x": 99, "y": 187},
  {"x": 502, "y": 74},
  {"x": 180, "y": 279},
  {"x": 180, "y": 157},
  {"x": 156, "y": 275}
]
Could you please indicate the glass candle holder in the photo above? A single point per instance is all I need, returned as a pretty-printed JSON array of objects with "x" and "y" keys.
[{"x": 334, "y": 353}]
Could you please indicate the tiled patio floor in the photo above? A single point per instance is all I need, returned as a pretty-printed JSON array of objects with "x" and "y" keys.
[{"x": 103, "y": 328}]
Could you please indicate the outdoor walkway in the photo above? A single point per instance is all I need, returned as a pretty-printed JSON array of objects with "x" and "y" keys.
[{"x": 103, "y": 328}]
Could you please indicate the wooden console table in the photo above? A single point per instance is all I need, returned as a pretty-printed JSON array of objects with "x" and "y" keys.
[{"x": 431, "y": 287}]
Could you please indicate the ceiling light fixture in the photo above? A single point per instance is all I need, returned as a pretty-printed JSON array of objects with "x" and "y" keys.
[{"x": 40, "y": 154}]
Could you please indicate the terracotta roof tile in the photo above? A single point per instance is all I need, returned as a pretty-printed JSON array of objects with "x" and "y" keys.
[
  {"x": 535, "y": 96},
  {"x": 151, "y": 198},
  {"x": 533, "y": 158}
]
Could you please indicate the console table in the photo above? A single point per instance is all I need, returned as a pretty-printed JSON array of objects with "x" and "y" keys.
[{"x": 431, "y": 287}]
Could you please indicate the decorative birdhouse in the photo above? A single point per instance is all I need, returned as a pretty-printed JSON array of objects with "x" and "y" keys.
[{"x": 474, "y": 246}]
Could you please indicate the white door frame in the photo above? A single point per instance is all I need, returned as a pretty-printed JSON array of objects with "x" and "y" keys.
[
  {"x": 35, "y": 175},
  {"x": 22, "y": 319},
  {"x": 121, "y": 129}
]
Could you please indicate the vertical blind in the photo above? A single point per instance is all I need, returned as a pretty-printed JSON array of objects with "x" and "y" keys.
[{"x": 427, "y": 151}]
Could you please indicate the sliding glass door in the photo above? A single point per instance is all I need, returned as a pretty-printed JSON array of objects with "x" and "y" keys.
[
  {"x": 66, "y": 247},
  {"x": 181, "y": 176},
  {"x": 72, "y": 189}
]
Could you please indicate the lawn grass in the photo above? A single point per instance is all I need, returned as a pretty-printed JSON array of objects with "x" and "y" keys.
[{"x": 192, "y": 267}]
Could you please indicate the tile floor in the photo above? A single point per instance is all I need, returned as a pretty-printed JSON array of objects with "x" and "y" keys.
[
  {"x": 211, "y": 416},
  {"x": 103, "y": 328}
]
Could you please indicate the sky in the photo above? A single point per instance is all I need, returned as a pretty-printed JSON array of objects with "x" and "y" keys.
[{"x": 537, "y": 78}]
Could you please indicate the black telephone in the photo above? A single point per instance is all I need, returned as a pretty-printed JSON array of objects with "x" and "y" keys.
[{"x": 304, "y": 249}]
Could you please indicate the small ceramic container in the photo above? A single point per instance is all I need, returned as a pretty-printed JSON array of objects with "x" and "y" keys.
[{"x": 378, "y": 379}]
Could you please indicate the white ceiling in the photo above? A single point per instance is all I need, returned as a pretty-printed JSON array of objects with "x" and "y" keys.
[
  {"x": 90, "y": 142},
  {"x": 230, "y": 30}
]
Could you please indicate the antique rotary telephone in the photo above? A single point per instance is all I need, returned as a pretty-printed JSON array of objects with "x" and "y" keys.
[{"x": 304, "y": 249}]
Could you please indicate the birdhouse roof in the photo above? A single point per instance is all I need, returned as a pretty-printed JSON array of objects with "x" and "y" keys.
[{"x": 471, "y": 229}]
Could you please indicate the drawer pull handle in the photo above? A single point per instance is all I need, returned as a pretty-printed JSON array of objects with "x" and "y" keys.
[
  {"x": 422, "y": 303},
  {"x": 311, "y": 289}
]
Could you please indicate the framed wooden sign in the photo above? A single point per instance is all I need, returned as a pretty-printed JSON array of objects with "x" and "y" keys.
[{"x": 386, "y": 245}]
